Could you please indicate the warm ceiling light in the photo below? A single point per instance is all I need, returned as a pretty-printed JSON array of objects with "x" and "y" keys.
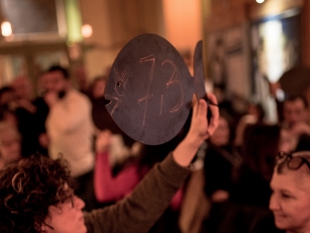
[
  {"x": 260, "y": 1},
  {"x": 6, "y": 29},
  {"x": 87, "y": 30}
]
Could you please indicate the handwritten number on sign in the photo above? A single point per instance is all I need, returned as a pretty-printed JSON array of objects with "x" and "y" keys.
[
  {"x": 151, "y": 59},
  {"x": 174, "y": 81}
]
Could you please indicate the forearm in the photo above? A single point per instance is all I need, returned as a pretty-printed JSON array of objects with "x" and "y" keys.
[{"x": 184, "y": 153}]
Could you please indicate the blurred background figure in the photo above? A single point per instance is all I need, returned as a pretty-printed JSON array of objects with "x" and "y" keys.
[
  {"x": 10, "y": 146},
  {"x": 221, "y": 159},
  {"x": 246, "y": 209},
  {"x": 296, "y": 115},
  {"x": 25, "y": 114},
  {"x": 8, "y": 104},
  {"x": 70, "y": 130}
]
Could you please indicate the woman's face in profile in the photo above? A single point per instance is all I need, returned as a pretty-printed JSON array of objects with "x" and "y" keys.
[{"x": 290, "y": 200}]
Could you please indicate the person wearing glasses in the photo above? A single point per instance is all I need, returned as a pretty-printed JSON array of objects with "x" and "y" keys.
[
  {"x": 37, "y": 195},
  {"x": 290, "y": 199}
]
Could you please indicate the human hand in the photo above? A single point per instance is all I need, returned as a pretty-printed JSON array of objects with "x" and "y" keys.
[
  {"x": 199, "y": 131},
  {"x": 103, "y": 141},
  {"x": 26, "y": 104}
]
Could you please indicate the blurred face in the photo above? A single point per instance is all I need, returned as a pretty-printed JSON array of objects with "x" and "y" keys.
[
  {"x": 55, "y": 82},
  {"x": 294, "y": 111},
  {"x": 290, "y": 201},
  {"x": 221, "y": 135},
  {"x": 66, "y": 217},
  {"x": 22, "y": 88},
  {"x": 288, "y": 141},
  {"x": 7, "y": 98},
  {"x": 10, "y": 148}
]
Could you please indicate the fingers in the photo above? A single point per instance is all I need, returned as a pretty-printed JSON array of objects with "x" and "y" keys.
[
  {"x": 214, "y": 121},
  {"x": 195, "y": 103},
  {"x": 202, "y": 108}
]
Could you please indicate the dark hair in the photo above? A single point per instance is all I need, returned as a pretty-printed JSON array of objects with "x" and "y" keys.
[
  {"x": 260, "y": 146},
  {"x": 292, "y": 98},
  {"x": 63, "y": 70},
  {"x": 28, "y": 188},
  {"x": 94, "y": 83}
]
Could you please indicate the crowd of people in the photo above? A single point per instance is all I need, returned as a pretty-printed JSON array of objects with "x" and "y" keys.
[{"x": 61, "y": 153}]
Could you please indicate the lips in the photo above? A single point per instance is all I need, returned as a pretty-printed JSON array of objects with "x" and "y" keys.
[{"x": 279, "y": 216}]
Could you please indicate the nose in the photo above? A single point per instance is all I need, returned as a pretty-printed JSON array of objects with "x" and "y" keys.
[
  {"x": 273, "y": 203},
  {"x": 78, "y": 203}
]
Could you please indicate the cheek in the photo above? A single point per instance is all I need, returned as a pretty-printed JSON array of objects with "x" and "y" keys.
[{"x": 298, "y": 213}]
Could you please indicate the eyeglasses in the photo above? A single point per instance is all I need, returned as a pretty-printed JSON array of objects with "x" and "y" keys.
[{"x": 293, "y": 160}]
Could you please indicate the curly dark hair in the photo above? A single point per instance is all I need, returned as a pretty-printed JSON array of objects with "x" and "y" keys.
[{"x": 27, "y": 188}]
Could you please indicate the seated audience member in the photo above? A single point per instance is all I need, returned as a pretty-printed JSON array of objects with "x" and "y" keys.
[
  {"x": 36, "y": 194},
  {"x": 10, "y": 146},
  {"x": 221, "y": 159},
  {"x": 246, "y": 210},
  {"x": 290, "y": 199},
  {"x": 260, "y": 147}
]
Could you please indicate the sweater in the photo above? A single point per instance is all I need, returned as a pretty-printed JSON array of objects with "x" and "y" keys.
[{"x": 138, "y": 212}]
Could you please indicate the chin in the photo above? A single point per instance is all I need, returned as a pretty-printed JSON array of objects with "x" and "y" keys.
[
  {"x": 282, "y": 225},
  {"x": 82, "y": 229}
]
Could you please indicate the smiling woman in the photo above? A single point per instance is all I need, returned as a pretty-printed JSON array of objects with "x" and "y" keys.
[{"x": 290, "y": 200}]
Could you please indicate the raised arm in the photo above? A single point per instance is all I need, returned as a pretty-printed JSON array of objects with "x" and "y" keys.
[
  {"x": 139, "y": 211},
  {"x": 199, "y": 131}
]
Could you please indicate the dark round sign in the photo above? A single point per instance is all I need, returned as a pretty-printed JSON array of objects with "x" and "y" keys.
[{"x": 150, "y": 89}]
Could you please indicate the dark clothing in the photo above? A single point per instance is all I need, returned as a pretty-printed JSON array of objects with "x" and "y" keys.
[
  {"x": 251, "y": 189},
  {"x": 139, "y": 211},
  {"x": 42, "y": 111},
  {"x": 228, "y": 217},
  {"x": 219, "y": 164}
]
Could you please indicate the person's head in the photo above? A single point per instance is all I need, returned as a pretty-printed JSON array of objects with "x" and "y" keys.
[
  {"x": 222, "y": 135},
  {"x": 36, "y": 195},
  {"x": 7, "y": 96},
  {"x": 256, "y": 109},
  {"x": 97, "y": 87},
  {"x": 23, "y": 87},
  {"x": 57, "y": 79},
  {"x": 290, "y": 199},
  {"x": 295, "y": 109},
  {"x": 10, "y": 146}
]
